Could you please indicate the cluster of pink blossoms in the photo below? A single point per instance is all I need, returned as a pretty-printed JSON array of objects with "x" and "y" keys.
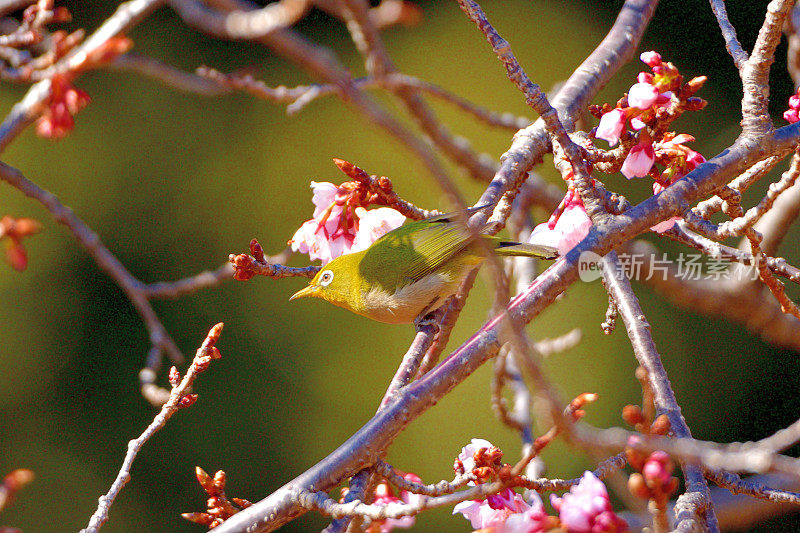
[
  {"x": 586, "y": 508},
  {"x": 646, "y": 98},
  {"x": 339, "y": 228}
]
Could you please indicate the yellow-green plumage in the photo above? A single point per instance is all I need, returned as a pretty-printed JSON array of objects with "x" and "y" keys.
[{"x": 410, "y": 269}]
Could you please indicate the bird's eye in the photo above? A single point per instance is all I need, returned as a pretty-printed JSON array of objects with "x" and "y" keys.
[{"x": 326, "y": 278}]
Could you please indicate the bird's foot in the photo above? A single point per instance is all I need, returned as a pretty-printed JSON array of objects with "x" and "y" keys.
[
  {"x": 429, "y": 317},
  {"x": 426, "y": 321}
]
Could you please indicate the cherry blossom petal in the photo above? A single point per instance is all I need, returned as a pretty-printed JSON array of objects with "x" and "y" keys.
[
  {"x": 532, "y": 520},
  {"x": 639, "y": 161},
  {"x": 480, "y": 514},
  {"x": 304, "y": 237},
  {"x": 569, "y": 229},
  {"x": 642, "y": 95},
  {"x": 374, "y": 224},
  {"x": 324, "y": 195},
  {"x": 611, "y": 126},
  {"x": 637, "y": 124},
  {"x": 791, "y": 115}
]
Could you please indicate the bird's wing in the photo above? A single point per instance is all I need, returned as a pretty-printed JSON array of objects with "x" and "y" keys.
[{"x": 434, "y": 245}]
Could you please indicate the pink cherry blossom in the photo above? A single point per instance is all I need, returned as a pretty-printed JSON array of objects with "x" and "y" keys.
[
  {"x": 314, "y": 239},
  {"x": 682, "y": 159},
  {"x": 586, "y": 508},
  {"x": 639, "y": 161},
  {"x": 335, "y": 228},
  {"x": 565, "y": 228},
  {"x": 694, "y": 159},
  {"x": 494, "y": 510},
  {"x": 611, "y": 126},
  {"x": 679, "y": 139},
  {"x": 324, "y": 194},
  {"x": 637, "y": 124},
  {"x": 661, "y": 227},
  {"x": 642, "y": 95},
  {"x": 374, "y": 224},
  {"x": 664, "y": 97},
  {"x": 651, "y": 59}
]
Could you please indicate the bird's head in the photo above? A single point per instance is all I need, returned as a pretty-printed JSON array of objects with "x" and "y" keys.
[{"x": 334, "y": 282}]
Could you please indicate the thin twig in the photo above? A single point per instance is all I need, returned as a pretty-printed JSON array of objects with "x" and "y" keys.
[
  {"x": 178, "y": 399},
  {"x": 729, "y": 33},
  {"x": 298, "y": 97},
  {"x": 752, "y": 487},
  {"x": 379, "y": 65},
  {"x": 738, "y": 185},
  {"x": 168, "y": 75},
  {"x": 435, "y": 489},
  {"x": 190, "y": 285},
  {"x": 774, "y": 285}
]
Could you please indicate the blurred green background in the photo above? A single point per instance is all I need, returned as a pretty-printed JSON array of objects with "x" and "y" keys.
[{"x": 175, "y": 182}]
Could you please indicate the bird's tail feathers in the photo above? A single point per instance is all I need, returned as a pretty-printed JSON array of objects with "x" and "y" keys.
[{"x": 506, "y": 248}]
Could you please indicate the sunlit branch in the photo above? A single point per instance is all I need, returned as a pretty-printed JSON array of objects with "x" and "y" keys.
[
  {"x": 646, "y": 354},
  {"x": 179, "y": 398}
]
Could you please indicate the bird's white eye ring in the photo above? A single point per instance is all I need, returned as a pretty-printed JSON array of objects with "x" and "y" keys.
[{"x": 326, "y": 278}]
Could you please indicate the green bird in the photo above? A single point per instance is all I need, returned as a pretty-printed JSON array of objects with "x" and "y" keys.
[{"x": 411, "y": 269}]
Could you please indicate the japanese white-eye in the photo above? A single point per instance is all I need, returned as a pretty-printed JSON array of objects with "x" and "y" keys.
[{"x": 413, "y": 268}]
